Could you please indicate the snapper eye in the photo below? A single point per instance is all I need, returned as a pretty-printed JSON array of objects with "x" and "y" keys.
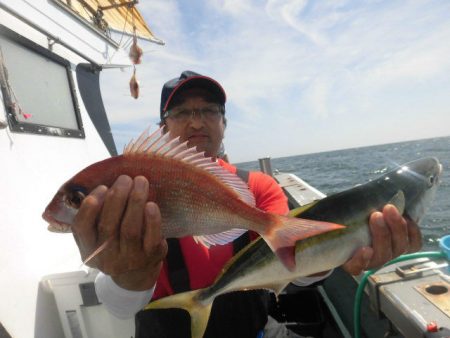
[{"x": 75, "y": 198}]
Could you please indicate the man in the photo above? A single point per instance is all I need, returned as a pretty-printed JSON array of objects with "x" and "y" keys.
[{"x": 135, "y": 267}]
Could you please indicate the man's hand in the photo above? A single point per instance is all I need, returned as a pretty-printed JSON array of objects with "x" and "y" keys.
[
  {"x": 122, "y": 215},
  {"x": 392, "y": 235}
]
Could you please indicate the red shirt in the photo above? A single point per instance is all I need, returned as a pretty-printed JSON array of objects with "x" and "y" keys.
[{"x": 205, "y": 264}]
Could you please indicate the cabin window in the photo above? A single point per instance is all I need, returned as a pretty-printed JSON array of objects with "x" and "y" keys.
[{"x": 37, "y": 89}]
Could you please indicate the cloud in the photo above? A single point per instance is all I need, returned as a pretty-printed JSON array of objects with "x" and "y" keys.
[{"x": 287, "y": 63}]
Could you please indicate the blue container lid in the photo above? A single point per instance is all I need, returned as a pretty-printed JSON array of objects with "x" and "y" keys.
[{"x": 444, "y": 244}]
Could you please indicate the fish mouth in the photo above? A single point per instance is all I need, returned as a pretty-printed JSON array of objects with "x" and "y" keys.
[
  {"x": 438, "y": 176},
  {"x": 59, "y": 228},
  {"x": 54, "y": 225},
  {"x": 47, "y": 217}
]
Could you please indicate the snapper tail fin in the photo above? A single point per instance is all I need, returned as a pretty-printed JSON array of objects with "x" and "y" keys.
[
  {"x": 286, "y": 231},
  {"x": 187, "y": 300}
]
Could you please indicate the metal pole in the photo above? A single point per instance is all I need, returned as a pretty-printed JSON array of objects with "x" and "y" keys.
[{"x": 265, "y": 165}]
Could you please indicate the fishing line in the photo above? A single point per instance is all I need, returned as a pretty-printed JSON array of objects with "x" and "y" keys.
[
  {"x": 121, "y": 38},
  {"x": 365, "y": 278}
]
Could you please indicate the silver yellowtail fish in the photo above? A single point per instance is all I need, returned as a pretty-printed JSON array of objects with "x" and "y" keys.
[
  {"x": 196, "y": 196},
  {"x": 410, "y": 188}
]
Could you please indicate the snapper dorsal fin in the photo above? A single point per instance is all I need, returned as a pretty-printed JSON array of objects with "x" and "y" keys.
[{"x": 162, "y": 144}]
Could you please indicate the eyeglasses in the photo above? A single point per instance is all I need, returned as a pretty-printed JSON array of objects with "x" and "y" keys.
[{"x": 210, "y": 113}]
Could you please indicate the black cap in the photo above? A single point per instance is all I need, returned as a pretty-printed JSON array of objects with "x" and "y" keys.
[{"x": 189, "y": 79}]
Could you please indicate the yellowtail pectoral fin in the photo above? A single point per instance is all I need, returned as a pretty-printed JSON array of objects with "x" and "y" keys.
[
  {"x": 282, "y": 237},
  {"x": 187, "y": 300},
  {"x": 278, "y": 287},
  {"x": 398, "y": 200}
]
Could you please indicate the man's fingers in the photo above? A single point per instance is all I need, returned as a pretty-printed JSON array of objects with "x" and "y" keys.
[
  {"x": 398, "y": 229},
  {"x": 84, "y": 228},
  {"x": 136, "y": 255},
  {"x": 154, "y": 244},
  {"x": 359, "y": 261},
  {"x": 392, "y": 235},
  {"x": 114, "y": 207},
  {"x": 131, "y": 231},
  {"x": 381, "y": 240}
]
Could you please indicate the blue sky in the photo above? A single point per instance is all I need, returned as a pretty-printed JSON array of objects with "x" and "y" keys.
[{"x": 300, "y": 76}]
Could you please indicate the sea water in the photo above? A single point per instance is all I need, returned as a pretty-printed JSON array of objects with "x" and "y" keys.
[{"x": 334, "y": 171}]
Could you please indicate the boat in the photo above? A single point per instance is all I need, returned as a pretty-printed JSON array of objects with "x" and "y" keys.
[{"x": 53, "y": 123}]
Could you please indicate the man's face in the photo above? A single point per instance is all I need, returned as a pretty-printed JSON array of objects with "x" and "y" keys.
[{"x": 206, "y": 134}]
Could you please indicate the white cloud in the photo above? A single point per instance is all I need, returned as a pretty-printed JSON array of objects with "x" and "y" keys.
[{"x": 299, "y": 69}]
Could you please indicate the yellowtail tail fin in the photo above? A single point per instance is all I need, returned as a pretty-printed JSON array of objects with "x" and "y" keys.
[
  {"x": 288, "y": 230},
  {"x": 187, "y": 300}
]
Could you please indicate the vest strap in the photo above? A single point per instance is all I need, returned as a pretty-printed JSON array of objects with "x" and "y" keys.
[{"x": 178, "y": 273}]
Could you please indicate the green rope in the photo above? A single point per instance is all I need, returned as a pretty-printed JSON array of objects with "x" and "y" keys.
[{"x": 363, "y": 282}]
